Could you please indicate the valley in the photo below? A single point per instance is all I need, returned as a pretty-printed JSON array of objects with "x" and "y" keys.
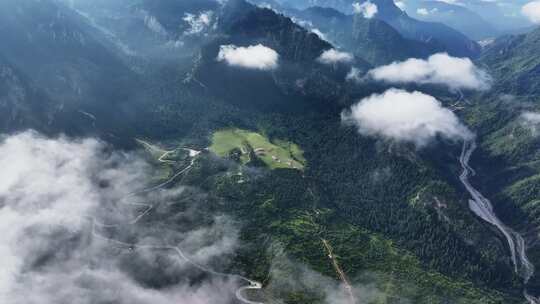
[
  {"x": 482, "y": 207},
  {"x": 269, "y": 151}
]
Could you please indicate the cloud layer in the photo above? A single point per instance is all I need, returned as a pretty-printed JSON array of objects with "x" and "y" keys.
[
  {"x": 441, "y": 69},
  {"x": 531, "y": 10},
  {"x": 256, "y": 57},
  {"x": 53, "y": 194},
  {"x": 334, "y": 56},
  {"x": 403, "y": 116}
]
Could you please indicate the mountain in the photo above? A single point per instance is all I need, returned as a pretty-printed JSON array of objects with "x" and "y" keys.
[
  {"x": 370, "y": 39},
  {"x": 510, "y": 61},
  {"x": 456, "y": 43},
  {"x": 293, "y": 103},
  {"x": 158, "y": 30},
  {"x": 300, "y": 101},
  {"x": 344, "y": 6},
  {"x": 456, "y": 16},
  {"x": 22, "y": 104},
  {"x": 434, "y": 33},
  {"x": 299, "y": 81},
  {"x": 231, "y": 104},
  {"x": 504, "y": 18},
  {"x": 506, "y": 119},
  {"x": 81, "y": 74}
]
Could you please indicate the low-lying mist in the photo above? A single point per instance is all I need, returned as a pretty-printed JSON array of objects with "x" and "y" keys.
[{"x": 76, "y": 228}]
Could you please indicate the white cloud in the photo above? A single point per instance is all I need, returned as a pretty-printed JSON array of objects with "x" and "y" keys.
[
  {"x": 367, "y": 9},
  {"x": 256, "y": 57},
  {"x": 403, "y": 116},
  {"x": 453, "y": 2},
  {"x": 531, "y": 121},
  {"x": 267, "y": 6},
  {"x": 455, "y": 73},
  {"x": 321, "y": 35},
  {"x": 52, "y": 194},
  {"x": 531, "y": 10},
  {"x": 333, "y": 56},
  {"x": 532, "y": 117},
  {"x": 354, "y": 75},
  {"x": 197, "y": 23},
  {"x": 425, "y": 12},
  {"x": 302, "y": 22},
  {"x": 422, "y": 11},
  {"x": 401, "y": 4}
]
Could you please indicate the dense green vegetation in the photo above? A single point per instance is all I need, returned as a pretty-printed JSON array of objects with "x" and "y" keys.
[
  {"x": 376, "y": 197},
  {"x": 396, "y": 217},
  {"x": 507, "y": 163},
  {"x": 285, "y": 216},
  {"x": 353, "y": 191},
  {"x": 511, "y": 62}
]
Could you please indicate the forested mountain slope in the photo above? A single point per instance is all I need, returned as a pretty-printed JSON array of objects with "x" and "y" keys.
[
  {"x": 417, "y": 223},
  {"x": 69, "y": 63},
  {"x": 299, "y": 83},
  {"x": 507, "y": 120},
  {"x": 269, "y": 145},
  {"x": 511, "y": 60}
]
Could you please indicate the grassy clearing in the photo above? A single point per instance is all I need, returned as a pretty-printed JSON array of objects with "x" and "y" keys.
[{"x": 276, "y": 154}]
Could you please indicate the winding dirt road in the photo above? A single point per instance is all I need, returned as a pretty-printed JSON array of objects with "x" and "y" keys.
[{"x": 252, "y": 285}]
